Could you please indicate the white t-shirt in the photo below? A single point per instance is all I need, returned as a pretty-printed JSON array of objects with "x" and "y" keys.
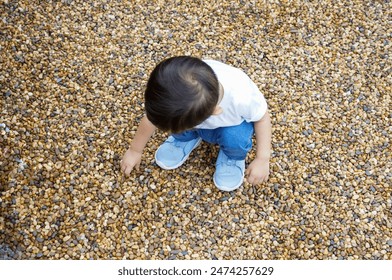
[{"x": 242, "y": 100}]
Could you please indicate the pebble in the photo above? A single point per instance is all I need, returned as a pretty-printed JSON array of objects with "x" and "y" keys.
[
  {"x": 72, "y": 97},
  {"x": 39, "y": 239}
]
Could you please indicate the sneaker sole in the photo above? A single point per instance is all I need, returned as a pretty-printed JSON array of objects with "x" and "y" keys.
[
  {"x": 228, "y": 189},
  {"x": 163, "y": 166}
]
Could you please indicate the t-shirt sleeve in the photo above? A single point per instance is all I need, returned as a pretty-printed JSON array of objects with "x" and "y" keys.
[{"x": 253, "y": 106}]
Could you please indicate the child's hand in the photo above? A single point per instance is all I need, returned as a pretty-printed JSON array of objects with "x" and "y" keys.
[
  {"x": 258, "y": 171},
  {"x": 130, "y": 160}
]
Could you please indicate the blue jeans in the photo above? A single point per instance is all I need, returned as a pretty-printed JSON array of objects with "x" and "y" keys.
[{"x": 234, "y": 141}]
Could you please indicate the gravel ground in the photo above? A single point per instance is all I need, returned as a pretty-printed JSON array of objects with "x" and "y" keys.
[{"x": 71, "y": 96}]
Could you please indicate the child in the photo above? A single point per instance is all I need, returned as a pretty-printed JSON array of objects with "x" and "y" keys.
[{"x": 206, "y": 100}]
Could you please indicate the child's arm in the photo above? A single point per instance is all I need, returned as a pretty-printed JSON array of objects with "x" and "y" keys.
[
  {"x": 258, "y": 170},
  {"x": 133, "y": 155}
]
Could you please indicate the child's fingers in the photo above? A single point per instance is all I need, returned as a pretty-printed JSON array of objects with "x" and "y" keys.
[
  {"x": 254, "y": 180},
  {"x": 251, "y": 176},
  {"x": 248, "y": 171},
  {"x": 122, "y": 177},
  {"x": 128, "y": 170},
  {"x": 124, "y": 167},
  {"x": 251, "y": 180}
]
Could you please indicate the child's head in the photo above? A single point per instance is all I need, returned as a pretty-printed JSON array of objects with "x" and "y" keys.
[{"x": 181, "y": 93}]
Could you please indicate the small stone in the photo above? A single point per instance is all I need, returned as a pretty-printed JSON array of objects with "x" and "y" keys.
[
  {"x": 66, "y": 238},
  {"x": 111, "y": 80},
  {"x": 311, "y": 146},
  {"x": 131, "y": 227}
]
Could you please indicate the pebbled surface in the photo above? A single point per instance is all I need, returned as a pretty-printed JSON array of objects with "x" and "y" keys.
[{"x": 71, "y": 96}]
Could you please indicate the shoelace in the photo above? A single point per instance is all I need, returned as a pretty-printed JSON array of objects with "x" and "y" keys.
[{"x": 179, "y": 144}]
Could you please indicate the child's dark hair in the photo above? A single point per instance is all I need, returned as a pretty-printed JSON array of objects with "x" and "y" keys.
[{"x": 181, "y": 93}]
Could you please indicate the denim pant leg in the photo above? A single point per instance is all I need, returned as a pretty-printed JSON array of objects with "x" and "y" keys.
[
  {"x": 187, "y": 135},
  {"x": 234, "y": 141}
]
